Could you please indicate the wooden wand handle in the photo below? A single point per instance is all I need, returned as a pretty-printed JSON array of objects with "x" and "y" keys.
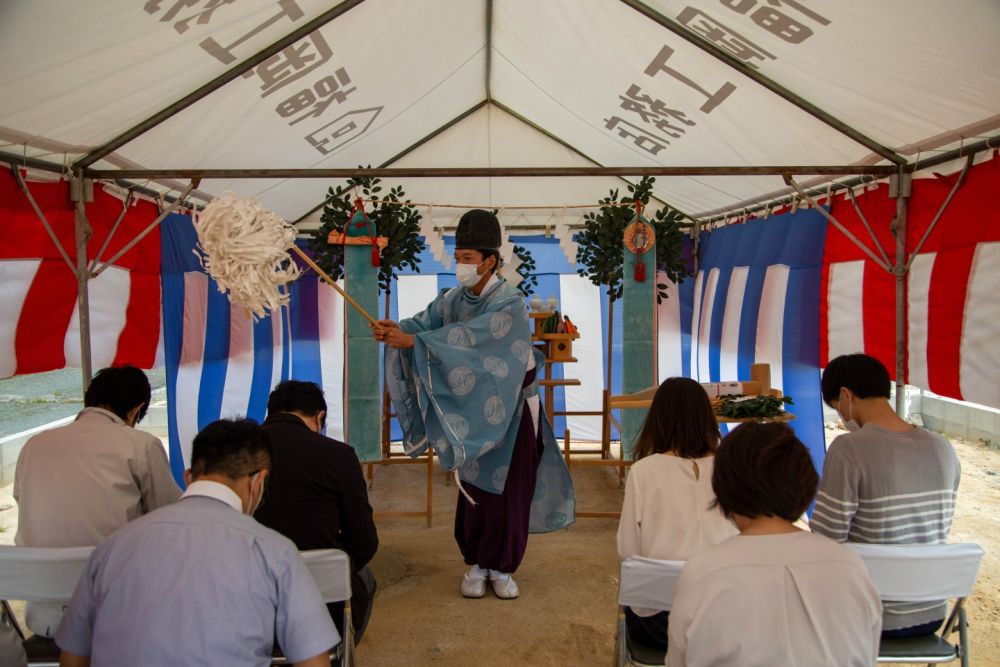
[{"x": 329, "y": 281}]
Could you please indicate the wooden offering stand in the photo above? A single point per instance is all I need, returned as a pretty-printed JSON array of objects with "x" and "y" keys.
[
  {"x": 557, "y": 348},
  {"x": 758, "y": 385}
]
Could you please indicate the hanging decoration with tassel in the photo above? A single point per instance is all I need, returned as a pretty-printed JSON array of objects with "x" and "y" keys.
[{"x": 639, "y": 239}]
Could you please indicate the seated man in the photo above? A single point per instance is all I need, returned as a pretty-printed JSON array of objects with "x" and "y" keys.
[
  {"x": 317, "y": 496},
  {"x": 885, "y": 482},
  {"x": 200, "y": 582},
  {"x": 774, "y": 595},
  {"x": 77, "y": 484}
]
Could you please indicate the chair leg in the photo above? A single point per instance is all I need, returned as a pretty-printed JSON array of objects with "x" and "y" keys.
[
  {"x": 347, "y": 642},
  {"x": 963, "y": 637},
  {"x": 621, "y": 649}
]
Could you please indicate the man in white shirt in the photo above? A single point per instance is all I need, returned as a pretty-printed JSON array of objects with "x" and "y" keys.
[
  {"x": 77, "y": 484},
  {"x": 200, "y": 581}
]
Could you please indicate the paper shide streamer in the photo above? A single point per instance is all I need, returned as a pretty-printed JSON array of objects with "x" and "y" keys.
[{"x": 244, "y": 248}]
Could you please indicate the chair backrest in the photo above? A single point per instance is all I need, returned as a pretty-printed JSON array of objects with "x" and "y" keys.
[
  {"x": 331, "y": 568},
  {"x": 921, "y": 572},
  {"x": 41, "y": 574},
  {"x": 649, "y": 583}
]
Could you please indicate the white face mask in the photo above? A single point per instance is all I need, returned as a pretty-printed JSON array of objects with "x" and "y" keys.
[
  {"x": 467, "y": 274},
  {"x": 260, "y": 498},
  {"x": 849, "y": 423}
]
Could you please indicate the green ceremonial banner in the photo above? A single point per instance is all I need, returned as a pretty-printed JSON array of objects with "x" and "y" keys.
[
  {"x": 638, "y": 312},
  {"x": 363, "y": 400}
]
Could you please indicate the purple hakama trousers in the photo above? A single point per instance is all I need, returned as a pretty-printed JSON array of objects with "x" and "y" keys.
[{"x": 493, "y": 534}]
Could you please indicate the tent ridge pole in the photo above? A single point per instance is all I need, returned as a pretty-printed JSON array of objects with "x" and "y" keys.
[
  {"x": 764, "y": 81},
  {"x": 489, "y": 50},
  {"x": 482, "y": 172},
  {"x": 216, "y": 83}
]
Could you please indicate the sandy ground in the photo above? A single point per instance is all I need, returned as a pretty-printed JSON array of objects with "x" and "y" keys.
[{"x": 566, "y": 612}]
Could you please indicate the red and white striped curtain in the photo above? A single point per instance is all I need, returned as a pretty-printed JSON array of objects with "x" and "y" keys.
[{"x": 953, "y": 313}]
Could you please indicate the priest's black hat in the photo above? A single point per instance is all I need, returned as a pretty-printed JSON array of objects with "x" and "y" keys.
[{"x": 478, "y": 230}]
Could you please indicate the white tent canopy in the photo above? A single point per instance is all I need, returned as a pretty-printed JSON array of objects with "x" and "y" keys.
[{"x": 499, "y": 83}]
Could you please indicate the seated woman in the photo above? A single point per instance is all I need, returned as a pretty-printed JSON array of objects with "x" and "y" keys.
[
  {"x": 667, "y": 513},
  {"x": 773, "y": 595}
]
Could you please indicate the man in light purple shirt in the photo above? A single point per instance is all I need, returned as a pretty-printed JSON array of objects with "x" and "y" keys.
[{"x": 200, "y": 581}]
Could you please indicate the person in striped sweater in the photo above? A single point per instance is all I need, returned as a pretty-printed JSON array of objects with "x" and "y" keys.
[{"x": 886, "y": 481}]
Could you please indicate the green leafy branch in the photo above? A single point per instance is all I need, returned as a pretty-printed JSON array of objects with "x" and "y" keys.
[
  {"x": 738, "y": 406},
  {"x": 394, "y": 219},
  {"x": 601, "y": 248}
]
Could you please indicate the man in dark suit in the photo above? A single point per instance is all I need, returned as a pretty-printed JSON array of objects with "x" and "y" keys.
[{"x": 316, "y": 493}]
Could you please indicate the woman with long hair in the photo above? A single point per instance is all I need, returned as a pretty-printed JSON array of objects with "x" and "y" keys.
[{"x": 667, "y": 511}]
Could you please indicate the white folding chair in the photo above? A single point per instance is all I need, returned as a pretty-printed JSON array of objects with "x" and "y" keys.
[
  {"x": 45, "y": 575},
  {"x": 649, "y": 583},
  {"x": 331, "y": 568},
  {"x": 924, "y": 573}
]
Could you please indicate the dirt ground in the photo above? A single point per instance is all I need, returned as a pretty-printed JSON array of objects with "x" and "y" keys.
[{"x": 566, "y": 612}]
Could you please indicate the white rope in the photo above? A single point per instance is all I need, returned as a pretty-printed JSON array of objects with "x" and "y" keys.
[
  {"x": 244, "y": 247},
  {"x": 458, "y": 482}
]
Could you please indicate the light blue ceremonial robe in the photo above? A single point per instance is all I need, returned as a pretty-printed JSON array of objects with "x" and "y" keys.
[{"x": 459, "y": 390}]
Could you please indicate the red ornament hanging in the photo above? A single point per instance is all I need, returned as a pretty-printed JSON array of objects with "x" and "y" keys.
[{"x": 639, "y": 239}]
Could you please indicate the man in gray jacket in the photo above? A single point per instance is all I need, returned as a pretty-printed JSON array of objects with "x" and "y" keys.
[{"x": 77, "y": 484}]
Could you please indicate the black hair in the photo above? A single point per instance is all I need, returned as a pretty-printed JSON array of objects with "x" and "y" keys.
[
  {"x": 491, "y": 253},
  {"x": 680, "y": 420},
  {"x": 233, "y": 448},
  {"x": 864, "y": 375},
  {"x": 763, "y": 470},
  {"x": 119, "y": 389},
  {"x": 296, "y": 396}
]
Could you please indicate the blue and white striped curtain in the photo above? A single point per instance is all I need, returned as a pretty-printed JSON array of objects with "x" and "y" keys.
[
  {"x": 220, "y": 363},
  {"x": 757, "y": 300}
]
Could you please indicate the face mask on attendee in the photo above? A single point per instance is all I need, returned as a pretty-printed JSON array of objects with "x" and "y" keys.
[
  {"x": 254, "y": 506},
  {"x": 849, "y": 422},
  {"x": 467, "y": 274},
  {"x": 133, "y": 416}
]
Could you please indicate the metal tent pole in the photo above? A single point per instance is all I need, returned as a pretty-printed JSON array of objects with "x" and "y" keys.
[
  {"x": 900, "y": 189},
  {"x": 495, "y": 172},
  {"x": 81, "y": 192}
]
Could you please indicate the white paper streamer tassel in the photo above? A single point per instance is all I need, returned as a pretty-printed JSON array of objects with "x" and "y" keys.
[{"x": 244, "y": 247}]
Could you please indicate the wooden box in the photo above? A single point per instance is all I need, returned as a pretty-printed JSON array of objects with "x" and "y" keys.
[{"x": 560, "y": 345}]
